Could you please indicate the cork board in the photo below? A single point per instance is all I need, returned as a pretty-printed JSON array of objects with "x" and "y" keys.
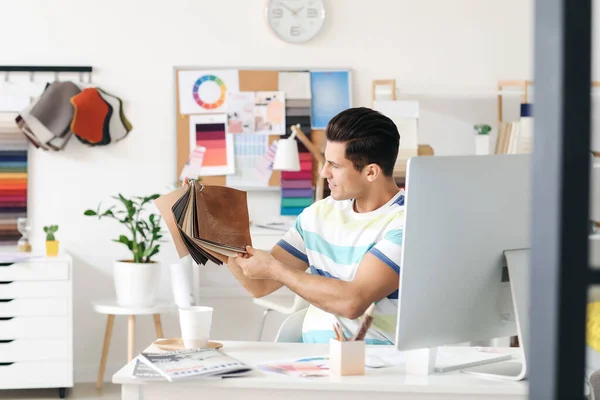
[{"x": 249, "y": 80}]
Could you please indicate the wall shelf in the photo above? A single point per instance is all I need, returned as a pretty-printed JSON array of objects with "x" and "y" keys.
[{"x": 44, "y": 68}]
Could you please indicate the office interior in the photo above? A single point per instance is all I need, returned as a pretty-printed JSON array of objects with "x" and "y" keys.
[{"x": 457, "y": 78}]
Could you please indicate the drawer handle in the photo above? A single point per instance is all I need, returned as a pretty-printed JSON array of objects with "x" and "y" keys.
[
  {"x": 6, "y": 318},
  {"x": 7, "y": 341},
  {"x": 5, "y": 282},
  {"x": 6, "y": 364},
  {"x": 6, "y": 300}
]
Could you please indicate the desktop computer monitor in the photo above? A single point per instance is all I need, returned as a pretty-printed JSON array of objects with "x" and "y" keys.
[{"x": 461, "y": 214}]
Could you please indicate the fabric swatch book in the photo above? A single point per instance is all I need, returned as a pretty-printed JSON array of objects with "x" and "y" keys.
[
  {"x": 207, "y": 222},
  {"x": 179, "y": 364}
]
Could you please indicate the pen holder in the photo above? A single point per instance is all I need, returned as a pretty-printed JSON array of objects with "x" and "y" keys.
[{"x": 347, "y": 357}]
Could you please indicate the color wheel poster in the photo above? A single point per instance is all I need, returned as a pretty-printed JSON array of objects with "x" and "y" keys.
[
  {"x": 208, "y": 131},
  {"x": 206, "y": 91}
]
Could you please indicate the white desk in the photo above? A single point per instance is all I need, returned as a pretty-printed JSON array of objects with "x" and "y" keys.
[{"x": 382, "y": 383}]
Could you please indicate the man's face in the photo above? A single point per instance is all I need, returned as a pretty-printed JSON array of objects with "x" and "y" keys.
[{"x": 345, "y": 182}]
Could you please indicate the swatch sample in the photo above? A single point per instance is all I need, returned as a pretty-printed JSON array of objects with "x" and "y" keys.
[{"x": 92, "y": 117}]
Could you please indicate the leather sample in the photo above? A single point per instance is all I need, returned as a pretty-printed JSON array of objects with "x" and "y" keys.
[
  {"x": 210, "y": 222},
  {"x": 53, "y": 110},
  {"x": 92, "y": 117},
  {"x": 119, "y": 126}
]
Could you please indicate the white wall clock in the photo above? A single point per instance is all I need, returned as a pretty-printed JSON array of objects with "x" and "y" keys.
[{"x": 295, "y": 21}]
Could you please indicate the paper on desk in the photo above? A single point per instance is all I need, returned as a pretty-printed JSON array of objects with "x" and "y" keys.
[
  {"x": 13, "y": 257},
  {"x": 389, "y": 355},
  {"x": 309, "y": 367}
]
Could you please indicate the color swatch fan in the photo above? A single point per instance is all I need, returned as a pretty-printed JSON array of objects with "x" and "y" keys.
[{"x": 207, "y": 222}]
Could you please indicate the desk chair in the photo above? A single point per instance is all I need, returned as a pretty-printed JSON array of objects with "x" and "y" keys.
[
  {"x": 290, "y": 330},
  {"x": 298, "y": 304}
]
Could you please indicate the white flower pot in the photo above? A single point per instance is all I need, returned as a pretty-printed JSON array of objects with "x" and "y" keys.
[
  {"x": 136, "y": 285},
  {"x": 482, "y": 144}
]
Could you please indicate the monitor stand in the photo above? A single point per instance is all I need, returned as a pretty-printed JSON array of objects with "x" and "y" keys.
[
  {"x": 470, "y": 360},
  {"x": 517, "y": 262}
]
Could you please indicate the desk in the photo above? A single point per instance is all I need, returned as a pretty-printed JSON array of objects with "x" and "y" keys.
[{"x": 382, "y": 383}]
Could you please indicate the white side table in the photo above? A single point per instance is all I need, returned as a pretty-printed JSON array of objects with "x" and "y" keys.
[{"x": 111, "y": 308}]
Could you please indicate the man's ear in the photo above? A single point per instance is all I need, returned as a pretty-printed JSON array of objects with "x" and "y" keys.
[{"x": 372, "y": 171}]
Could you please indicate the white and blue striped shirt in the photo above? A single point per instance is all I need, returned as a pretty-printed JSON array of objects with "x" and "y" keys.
[{"x": 332, "y": 238}]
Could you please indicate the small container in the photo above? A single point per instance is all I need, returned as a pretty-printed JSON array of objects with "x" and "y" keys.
[
  {"x": 347, "y": 357},
  {"x": 52, "y": 248}
]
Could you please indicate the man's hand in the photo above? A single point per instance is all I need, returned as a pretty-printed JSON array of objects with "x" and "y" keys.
[
  {"x": 256, "y": 264},
  {"x": 185, "y": 182}
]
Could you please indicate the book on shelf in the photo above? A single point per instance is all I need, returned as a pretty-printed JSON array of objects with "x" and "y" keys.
[
  {"x": 207, "y": 222},
  {"x": 515, "y": 138},
  {"x": 188, "y": 363}
]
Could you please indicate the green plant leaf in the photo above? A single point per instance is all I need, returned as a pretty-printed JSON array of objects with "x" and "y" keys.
[
  {"x": 144, "y": 230},
  {"x": 153, "y": 252},
  {"x": 125, "y": 240}
]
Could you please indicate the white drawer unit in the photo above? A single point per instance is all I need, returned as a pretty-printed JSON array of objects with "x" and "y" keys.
[{"x": 36, "y": 324}]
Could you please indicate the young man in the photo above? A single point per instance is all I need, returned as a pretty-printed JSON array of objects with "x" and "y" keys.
[{"x": 351, "y": 241}]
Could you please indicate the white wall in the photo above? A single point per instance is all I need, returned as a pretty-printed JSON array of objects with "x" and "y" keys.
[{"x": 133, "y": 46}]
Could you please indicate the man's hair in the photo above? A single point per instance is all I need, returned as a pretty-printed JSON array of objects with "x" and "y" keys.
[{"x": 370, "y": 137}]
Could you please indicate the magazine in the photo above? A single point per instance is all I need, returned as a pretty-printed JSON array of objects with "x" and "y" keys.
[
  {"x": 205, "y": 362},
  {"x": 144, "y": 371}
]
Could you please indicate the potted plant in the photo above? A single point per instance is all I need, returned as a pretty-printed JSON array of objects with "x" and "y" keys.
[
  {"x": 51, "y": 242},
  {"x": 482, "y": 139},
  {"x": 136, "y": 279}
]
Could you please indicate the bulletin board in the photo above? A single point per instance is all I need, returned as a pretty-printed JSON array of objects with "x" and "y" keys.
[{"x": 252, "y": 80}]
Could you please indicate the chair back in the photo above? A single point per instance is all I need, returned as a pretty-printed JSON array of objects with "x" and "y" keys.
[{"x": 290, "y": 330}]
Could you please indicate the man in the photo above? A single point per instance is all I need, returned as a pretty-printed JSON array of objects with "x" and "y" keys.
[{"x": 351, "y": 241}]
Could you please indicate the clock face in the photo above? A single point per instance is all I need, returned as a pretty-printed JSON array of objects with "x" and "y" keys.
[{"x": 295, "y": 21}]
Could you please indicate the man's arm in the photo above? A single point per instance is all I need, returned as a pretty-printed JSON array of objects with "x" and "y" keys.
[
  {"x": 262, "y": 287},
  {"x": 373, "y": 281}
]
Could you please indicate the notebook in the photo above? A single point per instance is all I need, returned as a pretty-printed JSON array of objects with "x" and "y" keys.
[{"x": 207, "y": 222}]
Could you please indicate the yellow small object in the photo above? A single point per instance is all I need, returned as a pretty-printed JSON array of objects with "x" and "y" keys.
[{"x": 52, "y": 248}]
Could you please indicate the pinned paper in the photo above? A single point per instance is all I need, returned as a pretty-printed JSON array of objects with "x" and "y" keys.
[
  {"x": 269, "y": 113},
  {"x": 249, "y": 150},
  {"x": 296, "y": 85},
  {"x": 331, "y": 94},
  {"x": 206, "y": 91},
  {"x": 193, "y": 167},
  {"x": 240, "y": 113},
  {"x": 208, "y": 130},
  {"x": 264, "y": 167}
]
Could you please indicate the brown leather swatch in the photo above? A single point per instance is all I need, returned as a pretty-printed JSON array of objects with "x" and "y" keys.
[{"x": 223, "y": 217}]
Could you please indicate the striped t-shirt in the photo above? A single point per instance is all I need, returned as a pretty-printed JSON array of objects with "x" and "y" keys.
[{"x": 333, "y": 238}]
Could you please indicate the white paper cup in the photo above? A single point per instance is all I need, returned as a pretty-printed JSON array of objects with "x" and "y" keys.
[{"x": 195, "y": 323}]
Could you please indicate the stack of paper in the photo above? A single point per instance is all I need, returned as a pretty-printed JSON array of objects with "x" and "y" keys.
[{"x": 207, "y": 222}]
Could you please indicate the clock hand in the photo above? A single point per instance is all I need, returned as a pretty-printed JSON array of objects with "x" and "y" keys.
[
  {"x": 289, "y": 9},
  {"x": 298, "y": 10}
]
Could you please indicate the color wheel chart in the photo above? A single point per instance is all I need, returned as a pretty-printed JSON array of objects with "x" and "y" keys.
[{"x": 204, "y": 92}]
